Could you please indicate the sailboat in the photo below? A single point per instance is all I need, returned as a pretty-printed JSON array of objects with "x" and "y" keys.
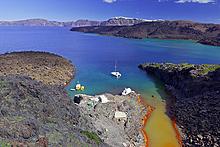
[{"x": 116, "y": 73}]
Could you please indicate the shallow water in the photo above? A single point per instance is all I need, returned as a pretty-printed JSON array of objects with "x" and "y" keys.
[{"x": 95, "y": 56}]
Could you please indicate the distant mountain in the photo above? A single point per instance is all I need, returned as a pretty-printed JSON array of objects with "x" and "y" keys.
[
  {"x": 31, "y": 22},
  {"x": 116, "y": 21},
  {"x": 44, "y": 22},
  {"x": 81, "y": 23},
  {"x": 203, "y": 33},
  {"x": 124, "y": 21}
]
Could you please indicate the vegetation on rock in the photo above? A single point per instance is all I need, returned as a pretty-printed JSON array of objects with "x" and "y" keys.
[{"x": 92, "y": 136}]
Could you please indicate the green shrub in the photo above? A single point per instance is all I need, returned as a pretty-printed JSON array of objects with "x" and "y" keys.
[
  {"x": 4, "y": 144},
  {"x": 93, "y": 136}
]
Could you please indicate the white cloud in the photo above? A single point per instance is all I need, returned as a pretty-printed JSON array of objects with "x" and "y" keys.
[
  {"x": 195, "y": 1},
  {"x": 109, "y": 1}
]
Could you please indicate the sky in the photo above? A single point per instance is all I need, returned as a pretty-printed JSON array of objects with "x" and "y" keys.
[{"x": 69, "y": 10}]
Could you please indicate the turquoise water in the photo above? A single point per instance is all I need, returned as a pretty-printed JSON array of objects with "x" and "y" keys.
[{"x": 95, "y": 55}]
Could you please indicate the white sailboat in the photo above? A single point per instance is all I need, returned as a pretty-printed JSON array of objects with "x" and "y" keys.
[{"x": 116, "y": 73}]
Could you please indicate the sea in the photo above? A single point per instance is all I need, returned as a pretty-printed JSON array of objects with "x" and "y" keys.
[{"x": 95, "y": 56}]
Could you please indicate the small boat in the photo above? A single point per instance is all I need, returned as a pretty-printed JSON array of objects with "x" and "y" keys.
[
  {"x": 127, "y": 91},
  {"x": 116, "y": 73},
  {"x": 82, "y": 88},
  {"x": 78, "y": 87}
]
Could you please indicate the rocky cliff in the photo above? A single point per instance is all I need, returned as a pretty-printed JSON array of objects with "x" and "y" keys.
[
  {"x": 195, "y": 103},
  {"x": 116, "y": 21},
  {"x": 35, "y": 110},
  {"x": 203, "y": 33}
]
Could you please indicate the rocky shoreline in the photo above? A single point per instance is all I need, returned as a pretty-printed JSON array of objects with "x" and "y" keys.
[
  {"x": 35, "y": 110},
  {"x": 195, "y": 100}
]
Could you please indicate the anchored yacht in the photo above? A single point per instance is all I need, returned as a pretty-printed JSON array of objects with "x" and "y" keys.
[{"x": 116, "y": 73}]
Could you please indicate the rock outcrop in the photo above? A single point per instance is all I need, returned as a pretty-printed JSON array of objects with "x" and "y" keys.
[
  {"x": 215, "y": 41},
  {"x": 118, "y": 121},
  {"x": 195, "y": 102}
]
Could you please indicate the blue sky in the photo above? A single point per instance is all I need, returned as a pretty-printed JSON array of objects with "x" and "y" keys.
[{"x": 65, "y": 10}]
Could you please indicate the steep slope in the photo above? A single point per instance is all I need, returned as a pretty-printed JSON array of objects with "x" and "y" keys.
[
  {"x": 33, "y": 113},
  {"x": 35, "y": 110}
]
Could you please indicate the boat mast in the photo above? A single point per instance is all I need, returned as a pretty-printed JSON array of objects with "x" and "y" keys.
[{"x": 115, "y": 66}]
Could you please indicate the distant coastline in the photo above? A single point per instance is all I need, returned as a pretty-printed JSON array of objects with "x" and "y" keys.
[
  {"x": 208, "y": 34},
  {"x": 204, "y": 33}
]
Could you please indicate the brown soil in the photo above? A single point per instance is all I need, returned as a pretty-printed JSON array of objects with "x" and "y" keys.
[{"x": 45, "y": 67}]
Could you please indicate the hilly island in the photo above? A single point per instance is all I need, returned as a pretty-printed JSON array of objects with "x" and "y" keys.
[{"x": 202, "y": 33}]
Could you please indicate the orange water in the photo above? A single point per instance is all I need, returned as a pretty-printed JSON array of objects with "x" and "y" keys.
[{"x": 159, "y": 126}]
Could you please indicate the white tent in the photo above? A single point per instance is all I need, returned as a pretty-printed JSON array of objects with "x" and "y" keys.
[
  {"x": 103, "y": 99},
  {"x": 119, "y": 114}
]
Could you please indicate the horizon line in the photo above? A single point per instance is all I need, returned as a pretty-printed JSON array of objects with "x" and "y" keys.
[{"x": 74, "y": 20}]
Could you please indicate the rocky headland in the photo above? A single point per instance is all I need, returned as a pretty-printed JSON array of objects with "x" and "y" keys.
[
  {"x": 45, "y": 67},
  {"x": 200, "y": 32},
  {"x": 35, "y": 110},
  {"x": 195, "y": 100}
]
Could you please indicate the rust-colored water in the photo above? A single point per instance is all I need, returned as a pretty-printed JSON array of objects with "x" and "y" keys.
[{"x": 159, "y": 127}]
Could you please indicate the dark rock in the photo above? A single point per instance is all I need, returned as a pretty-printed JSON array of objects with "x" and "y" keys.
[{"x": 77, "y": 99}]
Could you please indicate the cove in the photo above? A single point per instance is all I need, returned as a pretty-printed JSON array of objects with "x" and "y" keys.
[{"x": 95, "y": 56}]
